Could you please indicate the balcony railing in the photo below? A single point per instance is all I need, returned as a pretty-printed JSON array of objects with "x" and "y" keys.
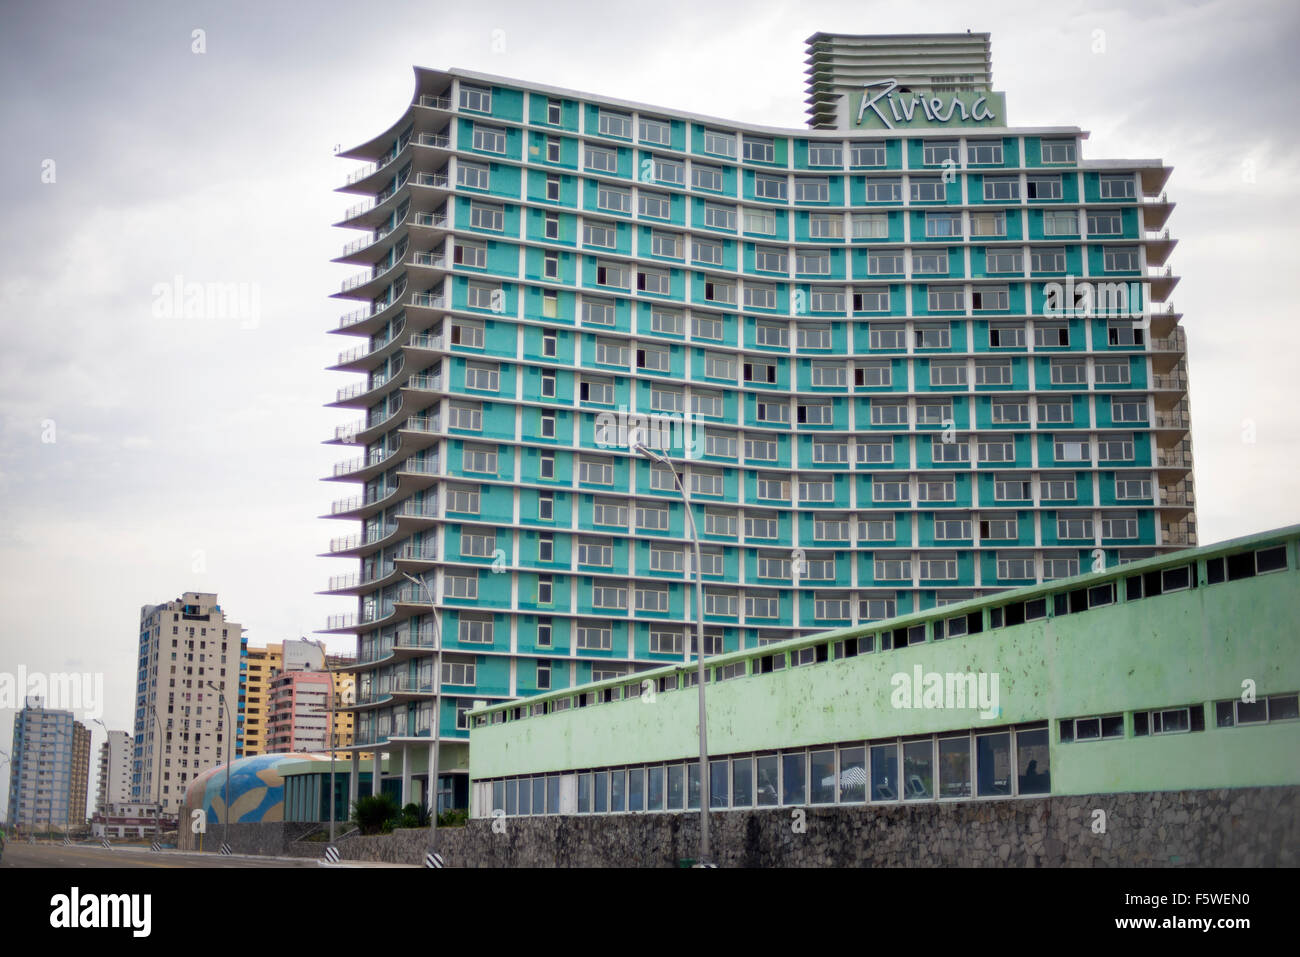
[
  {"x": 427, "y": 300},
  {"x": 360, "y": 501},
  {"x": 425, "y": 383},
  {"x": 434, "y": 260},
  {"x": 436, "y": 102},
  {"x": 376, "y": 457},
  {"x": 1173, "y": 420},
  {"x": 423, "y": 340},
  {"x": 421, "y": 466},
  {"x": 440, "y": 140},
  {"x": 349, "y": 542},
  {"x": 435, "y": 220},
  {"x": 428, "y": 424},
  {"x": 359, "y": 244},
  {"x": 437, "y": 180},
  {"x": 426, "y": 509},
  {"x": 1169, "y": 382},
  {"x": 416, "y": 553},
  {"x": 1174, "y": 460}
]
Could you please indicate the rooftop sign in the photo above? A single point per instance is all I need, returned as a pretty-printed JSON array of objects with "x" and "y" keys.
[{"x": 881, "y": 106}]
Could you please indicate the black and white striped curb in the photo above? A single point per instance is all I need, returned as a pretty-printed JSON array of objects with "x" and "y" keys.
[
  {"x": 331, "y": 855},
  {"x": 225, "y": 850},
  {"x": 433, "y": 859}
]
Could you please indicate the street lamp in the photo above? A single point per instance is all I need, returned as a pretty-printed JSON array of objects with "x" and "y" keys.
[
  {"x": 437, "y": 707},
  {"x": 157, "y": 781},
  {"x": 330, "y": 734},
  {"x": 640, "y": 448},
  {"x": 110, "y": 750},
  {"x": 225, "y": 828}
]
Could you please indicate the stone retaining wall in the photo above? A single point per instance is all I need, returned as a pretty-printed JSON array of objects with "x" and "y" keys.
[{"x": 1247, "y": 827}]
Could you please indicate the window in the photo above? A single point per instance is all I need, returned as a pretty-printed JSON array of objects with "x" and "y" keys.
[
  {"x": 1124, "y": 409},
  {"x": 1278, "y": 707},
  {"x": 596, "y": 390},
  {"x": 891, "y": 569},
  {"x": 815, "y": 490},
  {"x": 461, "y": 586},
  {"x": 770, "y": 411},
  {"x": 867, "y": 154},
  {"x": 1010, "y": 487},
  {"x": 599, "y": 234},
  {"x": 884, "y": 189},
  {"x": 1060, "y": 222},
  {"x": 552, "y": 226},
  {"x": 608, "y": 596},
  {"x": 666, "y": 321},
  {"x": 759, "y": 150},
  {"x": 483, "y": 216},
  {"x": 612, "y": 352},
  {"x": 814, "y": 337},
  {"x": 546, "y": 507},
  {"x": 1118, "y": 186},
  {"x": 552, "y": 149},
  {"x": 932, "y": 263},
  {"x": 1043, "y": 187},
  {"x": 1115, "y": 448},
  {"x": 948, "y": 373},
  {"x": 1132, "y": 487},
  {"x": 760, "y": 221},
  {"x": 654, "y": 281},
  {"x": 760, "y": 450},
  {"x": 941, "y": 451},
  {"x": 871, "y": 298},
  {"x": 927, "y": 189},
  {"x": 668, "y": 171},
  {"x": 719, "y": 444},
  {"x": 938, "y": 489},
  {"x": 463, "y": 500},
  {"x": 945, "y": 298},
  {"x": 461, "y": 673},
  {"x": 829, "y": 528},
  {"x": 663, "y": 399},
  {"x": 1071, "y": 525},
  {"x": 1069, "y": 372},
  {"x": 664, "y": 642},
  {"x": 706, "y": 177},
  {"x": 872, "y": 375},
  {"x": 952, "y": 529},
  {"x": 596, "y": 471},
  {"x": 475, "y": 629},
  {"x": 1092, "y": 729},
  {"x": 828, "y": 452},
  {"x": 467, "y": 416},
  {"x": 485, "y": 378},
  {"x": 489, "y": 139},
  {"x": 474, "y": 175},
  {"x": 597, "y": 312},
  {"x": 1047, "y": 259},
  {"x": 997, "y": 449},
  {"x": 655, "y": 205},
  {"x": 825, "y": 154},
  {"x": 809, "y": 189},
  {"x": 706, "y": 403},
  {"x": 612, "y": 274},
  {"x": 1009, "y": 411},
  {"x": 482, "y": 459},
  {"x": 1005, "y": 260},
  {"x": 467, "y": 333},
  {"x": 654, "y": 131},
  {"x": 888, "y": 413},
  {"x": 614, "y": 198},
  {"x": 943, "y": 224},
  {"x": 475, "y": 98},
  {"x": 1120, "y": 258},
  {"x": 610, "y": 123},
  {"x": 706, "y": 251},
  {"x": 668, "y": 245},
  {"x": 989, "y": 223},
  {"x": 1105, "y": 223},
  {"x": 720, "y": 144},
  {"x": 1061, "y": 488},
  {"x": 1003, "y": 189},
  {"x": 719, "y": 523},
  {"x": 814, "y": 262},
  {"x": 652, "y": 358},
  {"x": 870, "y": 225},
  {"x": 1169, "y": 720},
  {"x": 592, "y": 637},
  {"x": 825, "y": 226},
  {"x": 609, "y": 513},
  {"x": 992, "y": 372},
  {"x": 719, "y": 217},
  {"x": 1058, "y": 151},
  {"x": 937, "y": 153},
  {"x": 984, "y": 152},
  {"x": 1119, "y": 525},
  {"x": 665, "y": 559}
]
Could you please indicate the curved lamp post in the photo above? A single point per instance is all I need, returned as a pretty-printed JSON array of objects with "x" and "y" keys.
[
  {"x": 230, "y": 731},
  {"x": 640, "y": 448}
]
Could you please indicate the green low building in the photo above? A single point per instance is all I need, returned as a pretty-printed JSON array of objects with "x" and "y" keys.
[{"x": 1173, "y": 673}]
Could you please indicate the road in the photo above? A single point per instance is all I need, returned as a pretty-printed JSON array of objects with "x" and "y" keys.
[{"x": 18, "y": 854}]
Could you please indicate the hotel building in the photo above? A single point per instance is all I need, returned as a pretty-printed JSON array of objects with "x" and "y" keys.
[{"x": 909, "y": 356}]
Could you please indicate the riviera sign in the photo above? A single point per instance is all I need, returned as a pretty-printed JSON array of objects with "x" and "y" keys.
[{"x": 880, "y": 106}]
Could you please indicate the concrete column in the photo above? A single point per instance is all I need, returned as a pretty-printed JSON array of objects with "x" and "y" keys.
[
  {"x": 431, "y": 799},
  {"x": 354, "y": 780},
  {"x": 376, "y": 773},
  {"x": 406, "y": 774}
]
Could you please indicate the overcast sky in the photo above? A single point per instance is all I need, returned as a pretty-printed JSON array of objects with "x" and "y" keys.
[{"x": 187, "y": 454}]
